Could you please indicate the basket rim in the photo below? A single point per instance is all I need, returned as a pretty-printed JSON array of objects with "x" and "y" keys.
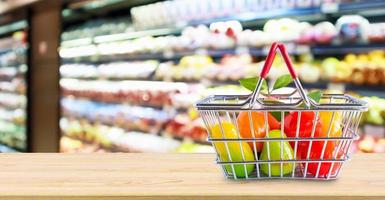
[{"x": 356, "y": 105}]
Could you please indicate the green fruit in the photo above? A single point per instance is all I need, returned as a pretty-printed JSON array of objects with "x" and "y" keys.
[
  {"x": 236, "y": 156},
  {"x": 275, "y": 154},
  {"x": 235, "y": 149}
]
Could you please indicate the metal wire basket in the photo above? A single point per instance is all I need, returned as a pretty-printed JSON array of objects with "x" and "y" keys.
[{"x": 311, "y": 141}]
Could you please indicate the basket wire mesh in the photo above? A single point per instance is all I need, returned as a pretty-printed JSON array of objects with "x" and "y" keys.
[{"x": 311, "y": 152}]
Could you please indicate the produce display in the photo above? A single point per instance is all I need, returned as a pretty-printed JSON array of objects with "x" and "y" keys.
[
  {"x": 98, "y": 27},
  {"x": 230, "y": 34},
  {"x": 174, "y": 12},
  {"x": 370, "y": 144},
  {"x": 147, "y": 74},
  {"x": 114, "y": 70},
  {"x": 376, "y": 112},
  {"x": 133, "y": 92},
  {"x": 186, "y": 127},
  {"x": 12, "y": 135},
  {"x": 127, "y": 117},
  {"x": 13, "y": 87},
  {"x": 117, "y": 139}
]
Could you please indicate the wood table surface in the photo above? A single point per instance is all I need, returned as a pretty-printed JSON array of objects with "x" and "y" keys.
[{"x": 170, "y": 176}]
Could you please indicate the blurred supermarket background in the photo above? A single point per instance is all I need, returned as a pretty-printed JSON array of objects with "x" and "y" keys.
[{"x": 123, "y": 75}]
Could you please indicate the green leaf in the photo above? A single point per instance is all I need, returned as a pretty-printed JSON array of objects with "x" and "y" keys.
[
  {"x": 282, "y": 81},
  {"x": 251, "y": 83},
  {"x": 315, "y": 95},
  {"x": 277, "y": 115}
]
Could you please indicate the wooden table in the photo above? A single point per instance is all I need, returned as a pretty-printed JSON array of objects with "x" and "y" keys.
[{"x": 170, "y": 176}]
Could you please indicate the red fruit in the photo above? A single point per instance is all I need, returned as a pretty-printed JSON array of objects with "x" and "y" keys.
[
  {"x": 325, "y": 167},
  {"x": 305, "y": 130}
]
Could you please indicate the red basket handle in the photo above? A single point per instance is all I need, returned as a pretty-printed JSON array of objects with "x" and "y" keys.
[
  {"x": 270, "y": 58},
  {"x": 266, "y": 68}
]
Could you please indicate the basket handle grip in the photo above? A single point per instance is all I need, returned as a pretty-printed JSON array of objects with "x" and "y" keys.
[
  {"x": 270, "y": 58},
  {"x": 266, "y": 68}
]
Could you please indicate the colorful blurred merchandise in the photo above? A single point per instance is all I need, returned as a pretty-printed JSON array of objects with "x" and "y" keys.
[
  {"x": 376, "y": 113},
  {"x": 116, "y": 139},
  {"x": 369, "y": 144},
  {"x": 357, "y": 69},
  {"x": 183, "y": 126},
  {"x": 145, "y": 119},
  {"x": 13, "y": 90},
  {"x": 174, "y": 12},
  {"x": 69, "y": 145},
  {"x": 199, "y": 67},
  {"x": 113, "y": 70},
  {"x": 190, "y": 147},
  {"x": 12, "y": 101},
  {"x": 12, "y": 135},
  {"x": 98, "y": 27},
  {"x": 16, "y": 116},
  {"x": 16, "y": 85},
  {"x": 146, "y": 73},
  {"x": 133, "y": 92},
  {"x": 230, "y": 34}
]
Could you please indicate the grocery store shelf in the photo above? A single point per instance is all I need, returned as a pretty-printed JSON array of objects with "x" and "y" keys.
[
  {"x": 364, "y": 90},
  {"x": 88, "y": 9},
  {"x": 16, "y": 26},
  {"x": 137, "y": 34},
  {"x": 361, "y": 6},
  {"x": 119, "y": 37},
  {"x": 102, "y": 122},
  {"x": 325, "y": 8},
  {"x": 115, "y": 102},
  {"x": 19, "y": 49},
  {"x": 293, "y": 49},
  {"x": 346, "y": 48},
  {"x": 261, "y": 15}
]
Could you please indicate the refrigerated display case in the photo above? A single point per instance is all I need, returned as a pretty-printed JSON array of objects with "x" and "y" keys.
[
  {"x": 144, "y": 71},
  {"x": 13, "y": 86}
]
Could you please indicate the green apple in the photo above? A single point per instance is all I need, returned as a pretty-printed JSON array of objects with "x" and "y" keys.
[{"x": 274, "y": 152}]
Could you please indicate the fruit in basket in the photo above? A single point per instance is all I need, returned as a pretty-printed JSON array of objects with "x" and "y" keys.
[
  {"x": 305, "y": 130},
  {"x": 227, "y": 130},
  {"x": 255, "y": 130},
  {"x": 334, "y": 126},
  {"x": 325, "y": 167},
  {"x": 272, "y": 151}
]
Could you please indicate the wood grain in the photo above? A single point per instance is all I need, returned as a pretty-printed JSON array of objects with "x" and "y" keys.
[{"x": 170, "y": 176}]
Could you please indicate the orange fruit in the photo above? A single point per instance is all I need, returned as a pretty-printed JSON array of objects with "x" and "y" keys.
[{"x": 258, "y": 121}]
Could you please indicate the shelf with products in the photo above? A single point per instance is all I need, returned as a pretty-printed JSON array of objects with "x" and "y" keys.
[
  {"x": 224, "y": 38},
  {"x": 356, "y": 72},
  {"x": 170, "y": 17},
  {"x": 127, "y": 117},
  {"x": 13, "y": 85},
  {"x": 13, "y": 135},
  {"x": 116, "y": 138},
  {"x": 204, "y": 53},
  {"x": 74, "y": 145},
  {"x": 13, "y": 27},
  {"x": 149, "y": 93}
]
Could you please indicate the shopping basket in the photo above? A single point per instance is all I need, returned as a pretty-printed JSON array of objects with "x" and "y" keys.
[{"x": 312, "y": 139}]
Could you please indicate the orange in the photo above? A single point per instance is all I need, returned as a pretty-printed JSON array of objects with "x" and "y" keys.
[{"x": 244, "y": 126}]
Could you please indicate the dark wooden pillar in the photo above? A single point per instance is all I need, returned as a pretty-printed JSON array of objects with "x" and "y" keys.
[{"x": 45, "y": 29}]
